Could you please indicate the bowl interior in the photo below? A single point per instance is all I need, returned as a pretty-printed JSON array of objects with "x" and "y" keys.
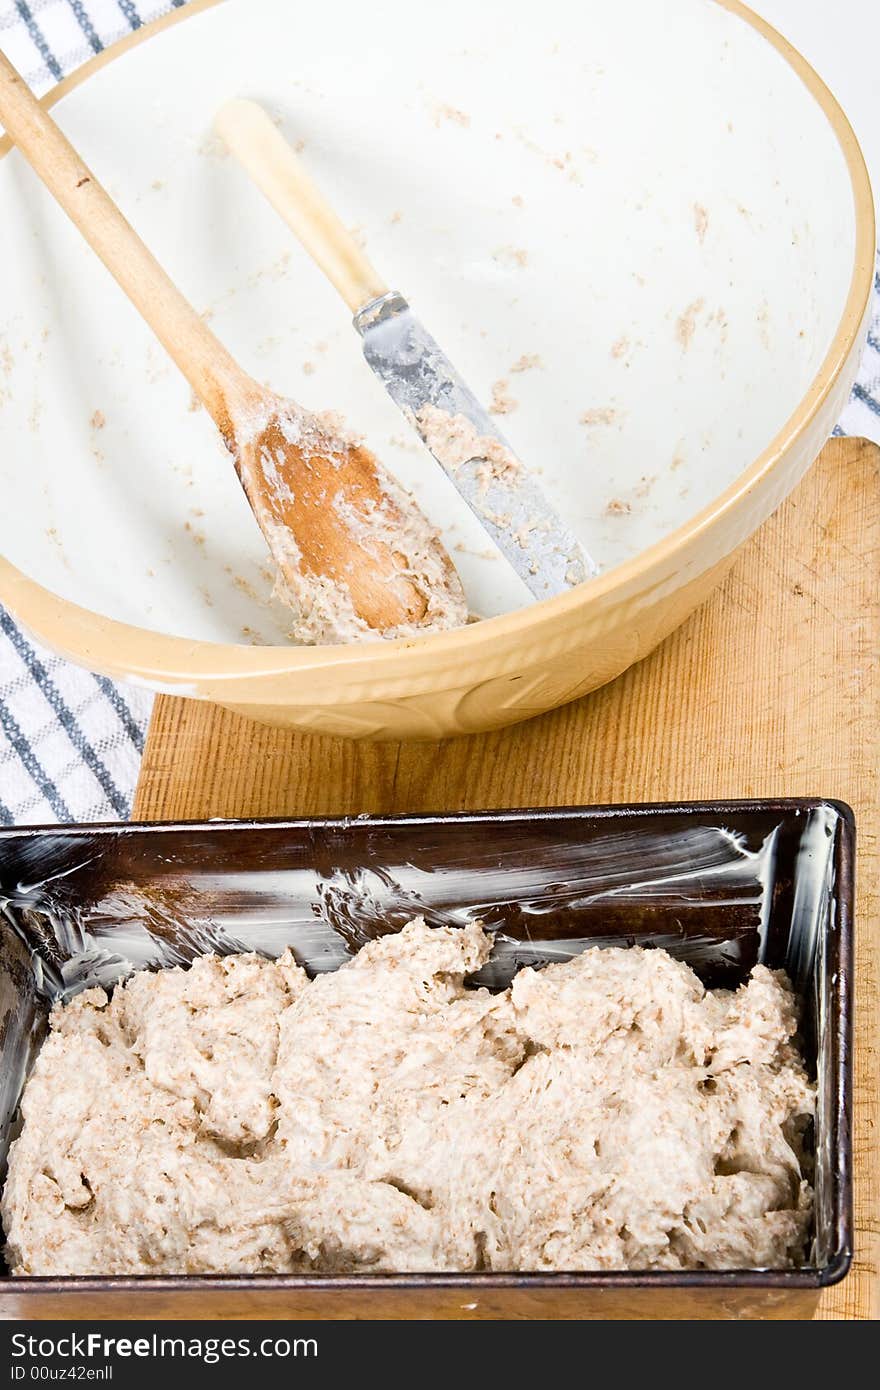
[{"x": 632, "y": 222}]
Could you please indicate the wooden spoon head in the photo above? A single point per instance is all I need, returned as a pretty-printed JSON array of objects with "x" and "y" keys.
[{"x": 356, "y": 556}]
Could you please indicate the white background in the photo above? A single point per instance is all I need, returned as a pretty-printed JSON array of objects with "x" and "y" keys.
[{"x": 841, "y": 38}]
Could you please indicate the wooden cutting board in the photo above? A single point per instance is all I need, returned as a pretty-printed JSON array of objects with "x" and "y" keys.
[{"x": 772, "y": 689}]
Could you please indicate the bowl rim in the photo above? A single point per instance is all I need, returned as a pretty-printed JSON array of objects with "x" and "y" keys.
[{"x": 180, "y": 665}]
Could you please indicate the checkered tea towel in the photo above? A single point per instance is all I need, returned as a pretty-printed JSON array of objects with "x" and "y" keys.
[{"x": 70, "y": 742}]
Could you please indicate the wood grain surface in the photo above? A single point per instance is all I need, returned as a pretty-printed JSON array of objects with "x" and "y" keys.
[{"x": 772, "y": 689}]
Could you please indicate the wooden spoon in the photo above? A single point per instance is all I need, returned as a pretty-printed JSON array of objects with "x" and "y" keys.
[{"x": 355, "y": 553}]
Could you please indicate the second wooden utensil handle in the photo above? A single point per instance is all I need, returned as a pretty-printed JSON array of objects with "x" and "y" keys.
[
  {"x": 213, "y": 374},
  {"x": 263, "y": 151}
]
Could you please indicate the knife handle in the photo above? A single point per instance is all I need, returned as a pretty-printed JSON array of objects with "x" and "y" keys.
[{"x": 263, "y": 152}]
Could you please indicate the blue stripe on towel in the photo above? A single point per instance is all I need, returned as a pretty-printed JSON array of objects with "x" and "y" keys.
[
  {"x": 31, "y": 765},
  {"x": 6, "y": 817},
  {"x": 126, "y": 718},
  {"x": 86, "y": 25},
  {"x": 866, "y": 399},
  {"x": 65, "y": 716},
  {"x": 39, "y": 39},
  {"x": 130, "y": 13}
]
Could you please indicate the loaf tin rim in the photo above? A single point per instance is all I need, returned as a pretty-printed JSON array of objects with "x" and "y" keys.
[
  {"x": 610, "y": 810},
  {"x": 831, "y": 1272}
]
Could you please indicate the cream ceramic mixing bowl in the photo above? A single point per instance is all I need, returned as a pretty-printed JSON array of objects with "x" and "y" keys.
[{"x": 645, "y": 230}]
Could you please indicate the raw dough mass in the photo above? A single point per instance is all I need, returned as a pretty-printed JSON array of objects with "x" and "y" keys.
[{"x": 605, "y": 1113}]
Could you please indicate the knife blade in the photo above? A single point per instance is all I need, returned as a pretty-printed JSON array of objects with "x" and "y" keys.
[{"x": 464, "y": 439}]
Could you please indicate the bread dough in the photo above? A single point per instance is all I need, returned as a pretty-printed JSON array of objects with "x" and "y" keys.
[
  {"x": 454, "y": 440},
  {"x": 606, "y": 1113}
]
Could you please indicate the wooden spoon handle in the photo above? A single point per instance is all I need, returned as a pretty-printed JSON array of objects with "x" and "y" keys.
[
  {"x": 214, "y": 375},
  {"x": 263, "y": 151}
]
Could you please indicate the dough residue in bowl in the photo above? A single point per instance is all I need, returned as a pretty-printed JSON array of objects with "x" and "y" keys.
[
  {"x": 454, "y": 440},
  {"x": 605, "y": 1113}
]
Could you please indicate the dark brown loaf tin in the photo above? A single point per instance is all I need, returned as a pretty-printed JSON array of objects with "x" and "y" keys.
[{"x": 719, "y": 885}]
